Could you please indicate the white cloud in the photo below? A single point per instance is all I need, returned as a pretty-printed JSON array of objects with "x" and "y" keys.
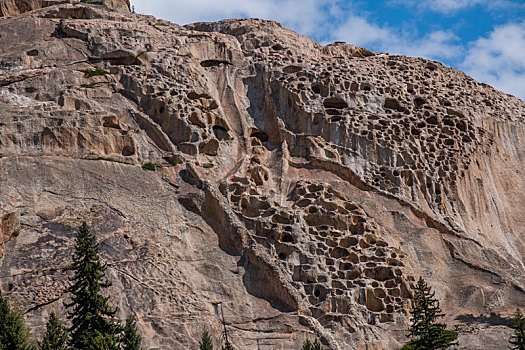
[
  {"x": 499, "y": 59},
  {"x": 306, "y": 16},
  {"x": 451, "y": 6},
  {"x": 435, "y": 45}
]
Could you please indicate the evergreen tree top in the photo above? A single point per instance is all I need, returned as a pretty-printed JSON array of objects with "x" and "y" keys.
[
  {"x": 206, "y": 342},
  {"x": 13, "y": 334},
  {"x": 517, "y": 339},
  {"x": 427, "y": 333},
  {"x": 131, "y": 339},
  {"x": 89, "y": 311},
  {"x": 227, "y": 346},
  {"x": 56, "y": 335}
]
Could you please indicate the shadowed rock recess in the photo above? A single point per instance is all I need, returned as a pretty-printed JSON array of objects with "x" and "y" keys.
[{"x": 304, "y": 187}]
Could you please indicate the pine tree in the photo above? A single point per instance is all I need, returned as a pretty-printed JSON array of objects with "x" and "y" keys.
[
  {"x": 13, "y": 334},
  {"x": 131, "y": 339},
  {"x": 205, "y": 343},
  {"x": 56, "y": 335},
  {"x": 517, "y": 340},
  {"x": 91, "y": 316},
  {"x": 427, "y": 333},
  {"x": 103, "y": 341},
  {"x": 227, "y": 346},
  {"x": 308, "y": 345}
]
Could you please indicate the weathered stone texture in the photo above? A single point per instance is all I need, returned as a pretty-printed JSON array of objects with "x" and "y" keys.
[
  {"x": 11, "y": 8},
  {"x": 303, "y": 187}
]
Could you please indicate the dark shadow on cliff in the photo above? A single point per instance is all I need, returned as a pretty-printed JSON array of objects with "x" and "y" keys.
[
  {"x": 493, "y": 319},
  {"x": 263, "y": 111},
  {"x": 262, "y": 283}
]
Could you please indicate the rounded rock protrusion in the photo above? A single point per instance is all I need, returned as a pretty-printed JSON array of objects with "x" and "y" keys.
[
  {"x": 373, "y": 303},
  {"x": 339, "y": 253},
  {"x": 210, "y": 147},
  {"x": 335, "y": 103},
  {"x": 380, "y": 293},
  {"x": 392, "y": 103},
  {"x": 292, "y": 69},
  {"x": 347, "y": 242}
]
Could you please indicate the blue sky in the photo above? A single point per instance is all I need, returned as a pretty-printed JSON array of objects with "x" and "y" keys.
[{"x": 484, "y": 38}]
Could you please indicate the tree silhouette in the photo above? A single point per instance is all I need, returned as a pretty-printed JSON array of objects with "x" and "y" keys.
[
  {"x": 517, "y": 340},
  {"x": 426, "y": 332},
  {"x": 56, "y": 335},
  {"x": 130, "y": 338},
  {"x": 13, "y": 334},
  {"x": 205, "y": 343},
  {"x": 90, "y": 315}
]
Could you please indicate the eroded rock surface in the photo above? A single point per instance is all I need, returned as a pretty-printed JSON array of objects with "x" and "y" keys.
[
  {"x": 12, "y": 8},
  {"x": 303, "y": 187}
]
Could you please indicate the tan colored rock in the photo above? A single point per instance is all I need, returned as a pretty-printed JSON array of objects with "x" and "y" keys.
[
  {"x": 12, "y": 8},
  {"x": 122, "y": 6},
  {"x": 9, "y": 228},
  {"x": 303, "y": 187}
]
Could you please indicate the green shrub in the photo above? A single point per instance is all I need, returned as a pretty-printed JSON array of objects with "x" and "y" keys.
[
  {"x": 207, "y": 165},
  {"x": 93, "y": 73},
  {"x": 148, "y": 166},
  {"x": 88, "y": 86},
  {"x": 308, "y": 345}
]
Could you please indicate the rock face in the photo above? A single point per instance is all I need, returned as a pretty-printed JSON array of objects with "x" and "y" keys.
[
  {"x": 11, "y": 8},
  {"x": 299, "y": 188}
]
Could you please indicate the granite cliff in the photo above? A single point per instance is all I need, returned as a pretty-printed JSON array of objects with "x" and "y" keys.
[{"x": 302, "y": 187}]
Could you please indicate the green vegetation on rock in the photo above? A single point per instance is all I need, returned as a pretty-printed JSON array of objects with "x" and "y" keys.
[
  {"x": 148, "y": 166},
  {"x": 308, "y": 345},
  {"x": 89, "y": 73}
]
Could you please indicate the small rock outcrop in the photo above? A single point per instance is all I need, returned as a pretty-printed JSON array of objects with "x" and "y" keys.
[
  {"x": 299, "y": 188},
  {"x": 9, "y": 227},
  {"x": 9, "y": 8}
]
